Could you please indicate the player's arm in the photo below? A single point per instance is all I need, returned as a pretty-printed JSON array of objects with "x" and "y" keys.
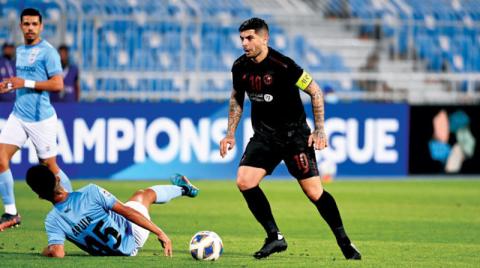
[
  {"x": 318, "y": 138},
  {"x": 54, "y": 251},
  {"x": 140, "y": 220},
  {"x": 3, "y": 87},
  {"x": 234, "y": 115},
  {"x": 54, "y": 84},
  {"x": 77, "y": 88}
]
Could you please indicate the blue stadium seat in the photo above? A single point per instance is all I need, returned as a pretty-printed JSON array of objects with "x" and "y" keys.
[
  {"x": 436, "y": 13},
  {"x": 126, "y": 42}
]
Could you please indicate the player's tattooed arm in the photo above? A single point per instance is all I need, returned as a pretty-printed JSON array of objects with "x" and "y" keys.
[
  {"x": 318, "y": 138},
  {"x": 235, "y": 112},
  {"x": 234, "y": 115}
]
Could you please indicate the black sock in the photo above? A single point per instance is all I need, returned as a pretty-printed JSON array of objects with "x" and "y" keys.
[
  {"x": 327, "y": 207},
  {"x": 184, "y": 189},
  {"x": 260, "y": 207}
]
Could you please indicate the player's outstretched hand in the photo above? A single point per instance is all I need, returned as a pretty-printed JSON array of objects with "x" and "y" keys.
[
  {"x": 5, "y": 86},
  {"x": 166, "y": 244},
  {"x": 226, "y": 144},
  {"x": 15, "y": 82},
  {"x": 318, "y": 139}
]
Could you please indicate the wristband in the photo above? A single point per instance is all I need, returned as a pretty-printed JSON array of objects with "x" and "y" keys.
[{"x": 30, "y": 84}]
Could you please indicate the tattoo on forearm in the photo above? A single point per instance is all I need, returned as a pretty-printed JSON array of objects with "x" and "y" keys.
[
  {"x": 234, "y": 113},
  {"x": 317, "y": 105}
]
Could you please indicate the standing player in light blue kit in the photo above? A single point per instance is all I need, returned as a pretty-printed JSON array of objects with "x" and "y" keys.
[
  {"x": 38, "y": 71},
  {"x": 95, "y": 221}
]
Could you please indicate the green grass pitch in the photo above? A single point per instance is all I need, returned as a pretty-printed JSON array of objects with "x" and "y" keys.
[{"x": 402, "y": 223}]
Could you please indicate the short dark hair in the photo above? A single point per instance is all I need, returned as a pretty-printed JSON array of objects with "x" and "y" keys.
[
  {"x": 42, "y": 181},
  {"x": 63, "y": 47},
  {"x": 8, "y": 44},
  {"x": 256, "y": 24},
  {"x": 31, "y": 12}
]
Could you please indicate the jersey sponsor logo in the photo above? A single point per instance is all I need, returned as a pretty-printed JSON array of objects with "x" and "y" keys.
[
  {"x": 268, "y": 97},
  {"x": 25, "y": 68},
  {"x": 256, "y": 97},
  {"x": 304, "y": 81},
  {"x": 267, "y": 79},
  {"x": 33, "y": 55},
  {"x": 105, "y": 192}
]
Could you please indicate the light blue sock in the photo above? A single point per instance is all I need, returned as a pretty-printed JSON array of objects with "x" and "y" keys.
[
  {"x": 6, "y": 187},
  {"x": 65, "y": 181},
  {"x": 166, "y": 193}
]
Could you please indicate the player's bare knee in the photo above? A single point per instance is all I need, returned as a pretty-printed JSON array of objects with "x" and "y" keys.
[
  {"x": 138, "y": 195},
  {"x": 244, "y": 183},
  {"x": 4, "y": 164},
  {"x": 4, "y": 161},
  {"x": 144, "y": 196},
  {"x": 314, "y": 193},
  {"x": 314, "y": 196}
]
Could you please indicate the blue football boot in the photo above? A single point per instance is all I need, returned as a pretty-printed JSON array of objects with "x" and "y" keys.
[{"x": 188, "y": 188}]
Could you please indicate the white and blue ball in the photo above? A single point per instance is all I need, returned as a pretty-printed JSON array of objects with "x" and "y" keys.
[{"x": 206, "y": 246}]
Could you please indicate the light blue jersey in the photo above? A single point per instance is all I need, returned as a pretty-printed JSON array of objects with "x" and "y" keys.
[
  {"x": 86, "y": 219},
  {"x": 38, "y": 63}
]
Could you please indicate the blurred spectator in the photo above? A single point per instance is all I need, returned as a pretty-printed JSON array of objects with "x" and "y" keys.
[
  {"x": 7, "y": 68},
  {"x": 371, "y": 66},
  {"x": 71, "y": 79},
  {"x": 329, "y": 95}
]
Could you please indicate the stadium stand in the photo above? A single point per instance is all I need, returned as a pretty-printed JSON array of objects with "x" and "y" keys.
[
  {"x": 444, "y": 32},
  {"x": 183, "y": 49}
]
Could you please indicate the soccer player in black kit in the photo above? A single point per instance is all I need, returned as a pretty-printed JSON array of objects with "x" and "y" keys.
[{"x": 272, "y": 81}]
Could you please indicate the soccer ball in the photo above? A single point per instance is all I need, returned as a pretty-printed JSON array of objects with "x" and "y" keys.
[{"x": 206, "y": 246}]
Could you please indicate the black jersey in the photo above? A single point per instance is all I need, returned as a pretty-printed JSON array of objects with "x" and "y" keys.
[{"x": 273, "y": 89}]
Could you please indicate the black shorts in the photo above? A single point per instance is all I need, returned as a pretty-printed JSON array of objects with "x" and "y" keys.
[{"x": 267, "y": 150}]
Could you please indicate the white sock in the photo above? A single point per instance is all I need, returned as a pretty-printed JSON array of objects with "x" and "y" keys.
[
  {"x": 166, "y": 193},
  {"x": 65, "y": 181},
  {"x": 11, "y": 209}
]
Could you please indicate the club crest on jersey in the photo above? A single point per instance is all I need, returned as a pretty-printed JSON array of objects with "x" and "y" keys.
[
  {"x": 267, "y": 79},
  {"x": 105, "y": 192},
  {"x": 268, "y": 97},
  {"x": 33, "y": 55}
]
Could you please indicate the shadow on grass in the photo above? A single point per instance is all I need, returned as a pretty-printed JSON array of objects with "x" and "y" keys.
[
  {"x": 187, "y": 255},
  {"x": 8, "y": 254}
]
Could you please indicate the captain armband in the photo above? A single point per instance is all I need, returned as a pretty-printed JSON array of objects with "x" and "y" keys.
[{"x": 304, "y": 81}]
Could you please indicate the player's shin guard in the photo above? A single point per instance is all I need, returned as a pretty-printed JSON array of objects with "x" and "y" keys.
[
  {"x": 65, "y": 181},
  {"x": 166, "y": 193},
  {"x": 260, "y": 207},
  {"x": 327, "y": 207},
  {"x": 6, "y": 190}
]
